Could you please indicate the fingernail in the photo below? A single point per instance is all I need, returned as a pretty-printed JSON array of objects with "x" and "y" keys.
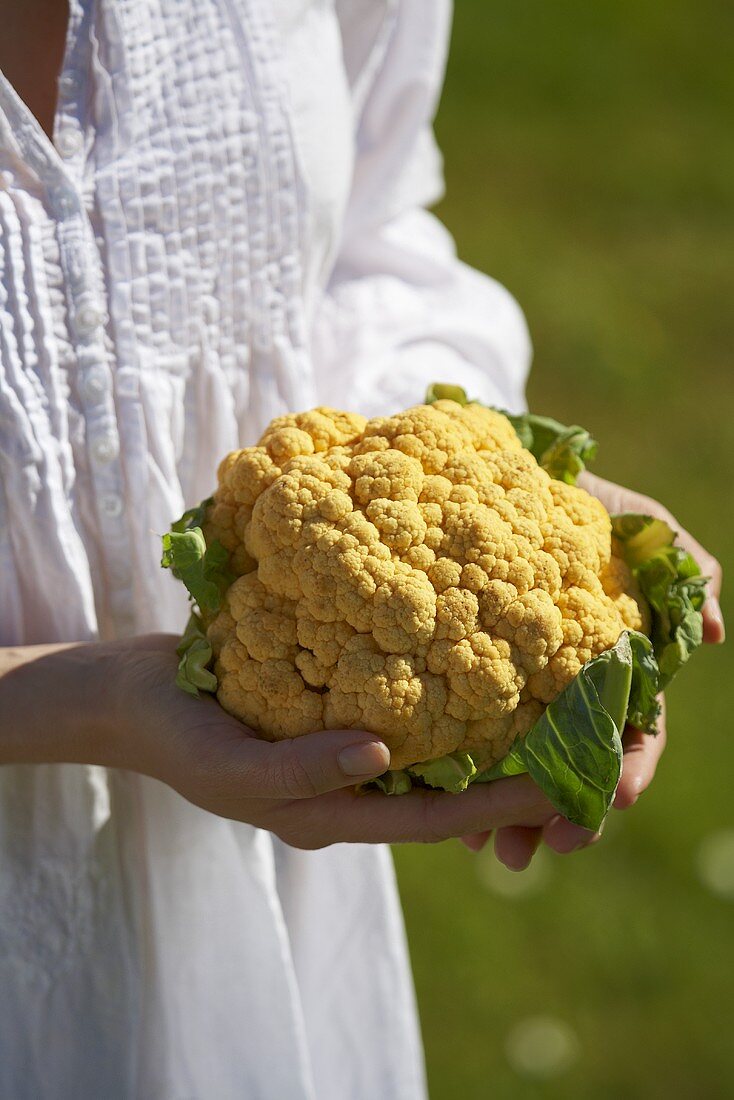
[
  {"x": 589, "y": 838},
  {"x": 367, "y": 758},
  {"x": 518, "y": 866},
  {"x": 714, "y": 611},
  {"x": 585, "y": 837}
]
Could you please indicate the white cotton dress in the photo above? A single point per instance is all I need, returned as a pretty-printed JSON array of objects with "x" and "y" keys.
[{"x": 229, "y": 224}]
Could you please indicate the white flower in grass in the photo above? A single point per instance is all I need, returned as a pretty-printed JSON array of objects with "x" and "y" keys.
[
  {"x": 541, "y": 1046},
  {"x": 715, "y": 863}
]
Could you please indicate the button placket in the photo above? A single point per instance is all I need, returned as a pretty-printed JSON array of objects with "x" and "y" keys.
[
  {"x": 96, "y": 388},
  {"x": 88, "y": 318},
  {"x": 61, "y": 174}
]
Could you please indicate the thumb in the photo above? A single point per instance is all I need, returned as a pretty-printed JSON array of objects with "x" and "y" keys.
[{"x": 302, "y": 767}]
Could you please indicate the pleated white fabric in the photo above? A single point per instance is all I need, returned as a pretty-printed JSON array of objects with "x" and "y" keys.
[{"x": 230, "y": 223}]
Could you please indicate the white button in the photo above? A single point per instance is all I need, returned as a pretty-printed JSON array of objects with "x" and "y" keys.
[
  {"x": 64, "y": 200},
  {"x": 94, "y": 385},
  {"x": 69, "y": 82},
  {"x": 88, "y": 318},
  {"x": 69, "y": 142},
  {"x": 106, "y": 448},
  {"x": 111, "y": 505}
]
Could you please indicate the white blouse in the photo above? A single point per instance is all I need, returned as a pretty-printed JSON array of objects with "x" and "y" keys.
[{"x": 230, "y": 223}]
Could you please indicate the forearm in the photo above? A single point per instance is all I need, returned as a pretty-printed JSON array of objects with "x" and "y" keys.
[{"x": 55, "y": 703}]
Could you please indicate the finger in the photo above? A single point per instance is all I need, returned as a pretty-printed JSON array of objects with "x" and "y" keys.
[
  {"x": 714, "y": 631},
  {"x": 303, "y": 767},
  {"x": 642, "y": 751},
  {"x": 421, "y": 816},
  {"x": 616, "y": 498},
  {"x": 516, "y": 845},
  {"x": 565, "y": 837},
  {"x": 708, "y": 564},
  {"x": 476, "y": 841}
]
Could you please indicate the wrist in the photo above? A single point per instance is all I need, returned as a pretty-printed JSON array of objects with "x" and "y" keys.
[{"x": 57, "y": 704}]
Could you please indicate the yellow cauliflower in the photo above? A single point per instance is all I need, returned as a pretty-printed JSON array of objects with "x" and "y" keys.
[{"x": 419, "y": 576}]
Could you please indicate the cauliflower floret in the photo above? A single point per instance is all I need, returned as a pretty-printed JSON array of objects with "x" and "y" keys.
[{"x": 418, "y": 576}]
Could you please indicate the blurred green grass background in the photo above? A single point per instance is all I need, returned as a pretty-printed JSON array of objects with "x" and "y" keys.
[{"x": 590, "y": 168}]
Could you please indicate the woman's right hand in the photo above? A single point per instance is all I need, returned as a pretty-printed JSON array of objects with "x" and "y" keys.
[{"x": 301, "y": 789}]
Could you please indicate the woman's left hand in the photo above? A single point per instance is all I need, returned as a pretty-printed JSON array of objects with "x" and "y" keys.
[{"x": 515, "y": 845}]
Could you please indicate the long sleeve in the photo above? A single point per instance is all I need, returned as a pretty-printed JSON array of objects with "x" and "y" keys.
[{"x": 401, "y": 310}]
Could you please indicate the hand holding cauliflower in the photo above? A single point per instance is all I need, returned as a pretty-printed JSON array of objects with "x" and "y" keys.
[{"x": 424, "y": 577}]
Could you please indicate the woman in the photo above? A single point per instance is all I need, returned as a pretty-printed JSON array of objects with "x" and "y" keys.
[{"x": 216, "y": 215}]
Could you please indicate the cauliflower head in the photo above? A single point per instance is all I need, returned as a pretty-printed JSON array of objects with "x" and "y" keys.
[{"x": 419, "y": 576}]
